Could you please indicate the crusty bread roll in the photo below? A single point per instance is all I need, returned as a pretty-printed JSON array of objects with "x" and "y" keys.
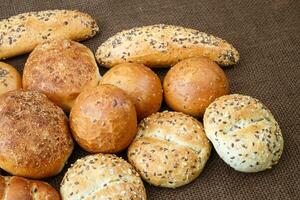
[
  {"x": 21, "y": 33},
  {"x": 170, "y": 149},
  {"x": 243, "y": 132},
  {"x": 103, "y": 119},
  {"x": 163, "y": 45},
  {"x": 61, "y": 69},
  {"x": 140, "y": 83},
  {"x": 34, "y": 135},
  {"x": 192, "y": 84},
  {"x": 18, "y": 188},
  {"x": 10, "y": 79},
  {"x": 102, "y": 176}
]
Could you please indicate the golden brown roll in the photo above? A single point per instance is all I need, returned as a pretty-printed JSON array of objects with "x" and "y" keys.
[
  {"x": 170, "y": 149},
  {"x": 192, "y": 84},
  {"x": 61, "y": 69},
  {"x": 102, "y": 176},
  {"x": 103, "y": 119},
  {"x": 34, "y": 135},
  {"x": 244, "y": 133},
  {"x": 10, "y": 78},
  {"x": 140, "y": 83},
  {"x": 18, "y": 188}
]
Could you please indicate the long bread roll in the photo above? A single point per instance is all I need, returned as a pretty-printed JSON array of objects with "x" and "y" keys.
[
  {"x": 164, "y": 45},
  {"x": 21, "y": 33}
]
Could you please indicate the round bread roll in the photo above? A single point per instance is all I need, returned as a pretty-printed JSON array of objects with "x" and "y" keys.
[
  {"x": 10, "y": 78},
  {"x": 34, "y": 135},
  {"x": 192, "y": 84},
  {"x": 102, "y": 176},
  {"x": 17, "y": 188},
  {"x": 170, "y": 149},
  {"x": 61, "y": 69},
  {"x": 103, "y": 120},
  {"x": 140, "y": 83},
  {"x": 243, "y": 132}
]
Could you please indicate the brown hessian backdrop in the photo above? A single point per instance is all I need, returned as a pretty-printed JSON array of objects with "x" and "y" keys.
[{"x": 266, "y": 33}]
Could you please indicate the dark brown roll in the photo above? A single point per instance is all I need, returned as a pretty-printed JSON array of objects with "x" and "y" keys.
[
  {"x": 35, "y": 141},
  {"x": 103, "y": 119}
]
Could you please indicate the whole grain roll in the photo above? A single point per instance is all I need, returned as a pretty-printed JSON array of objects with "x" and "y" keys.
[
  {"x": 10, "y": 79},
  {"x": 170, "y": 149},
  {"x": 21, "y": 33},
  {"x": 244, "y": 133},
  {"x": 102, "y": 176},
  {"x": 34, "y": 135},
  {"x": 192, "y": 84},
  {"x": 140, "y": 83},
  {"x": 61, "y": 69},
  {"x": 162, "y": 45},
  {"x": 103, "y": 119},
  {"x": 18, "y": 188}
]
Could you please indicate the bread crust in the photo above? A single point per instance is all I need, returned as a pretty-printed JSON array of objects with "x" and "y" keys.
[
  {"x": 34, "y": 135},
  {"x": 22, "y": 33},
  {"x": 163, "y": 45},
  {"x": 14, "y": 187},
  {"x": 244, "y": 133},
  {"x": 61, "y": 69},
  {"x": 10, "y": 79},
  {"x": 192, "y": 84},
  {"x": 103, "y": 119},
  {"x": 170, "y": 149},
  {"x": 140, "y": 83},
  {"x": 102, "y": 176}
]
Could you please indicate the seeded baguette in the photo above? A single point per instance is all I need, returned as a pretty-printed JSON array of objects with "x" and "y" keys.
[
  {"x": 102, "y": 176},
  {"x": 244, "y": 133},
  {"x": 21, "y": 33},
  {"x": 170, "y": 149},
  {"x": 14, "y": 187},
  {"x": 164, "y": 45}
]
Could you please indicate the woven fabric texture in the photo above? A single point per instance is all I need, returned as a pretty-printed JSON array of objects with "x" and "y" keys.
[{"x": 266, "y": 33}]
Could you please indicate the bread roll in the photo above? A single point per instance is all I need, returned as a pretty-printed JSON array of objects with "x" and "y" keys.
[
  {"x": 103, "y": 119},
  {"x": 170, "y": 149},
  {"x": 34, "y": 135},
  {"x": 10, "y": 78},
  {"x": 61, "y": 69},
  {"x": 140, "y": 83},
  {"x": 18, "y": 188},
  {"x": 192, "y": 84},
  {"x": 21, "y": 33},
  {"x": 102, "y": 176},
  {"x": 244, "y": 133},
  {"x": 163, "y": 45}
]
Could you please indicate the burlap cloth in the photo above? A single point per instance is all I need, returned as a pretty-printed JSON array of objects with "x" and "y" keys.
[{"x": 266, "y": 33}]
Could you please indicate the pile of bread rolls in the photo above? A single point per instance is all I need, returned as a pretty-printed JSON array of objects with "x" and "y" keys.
[{"x": 121, "y": 110}]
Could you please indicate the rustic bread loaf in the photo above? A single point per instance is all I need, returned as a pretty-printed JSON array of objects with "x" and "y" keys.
[
  {"x": 21, "y": 33},
  {"x": 192, "y": 84},
  {"x": 34, "y": 135},
  {"x": 103, "y": 119},
  {"x": 140, "y": 83},
  {"x": 164, "y": 45},
  {"x": 102, "y": 176},
  {"x": 170, "y": 149},
  {"x": 10, "y": 79},
  {"x": 61, "y": 69},
  {"x": 18, "y": 188},
  {"x": 244, "y": 133}
]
